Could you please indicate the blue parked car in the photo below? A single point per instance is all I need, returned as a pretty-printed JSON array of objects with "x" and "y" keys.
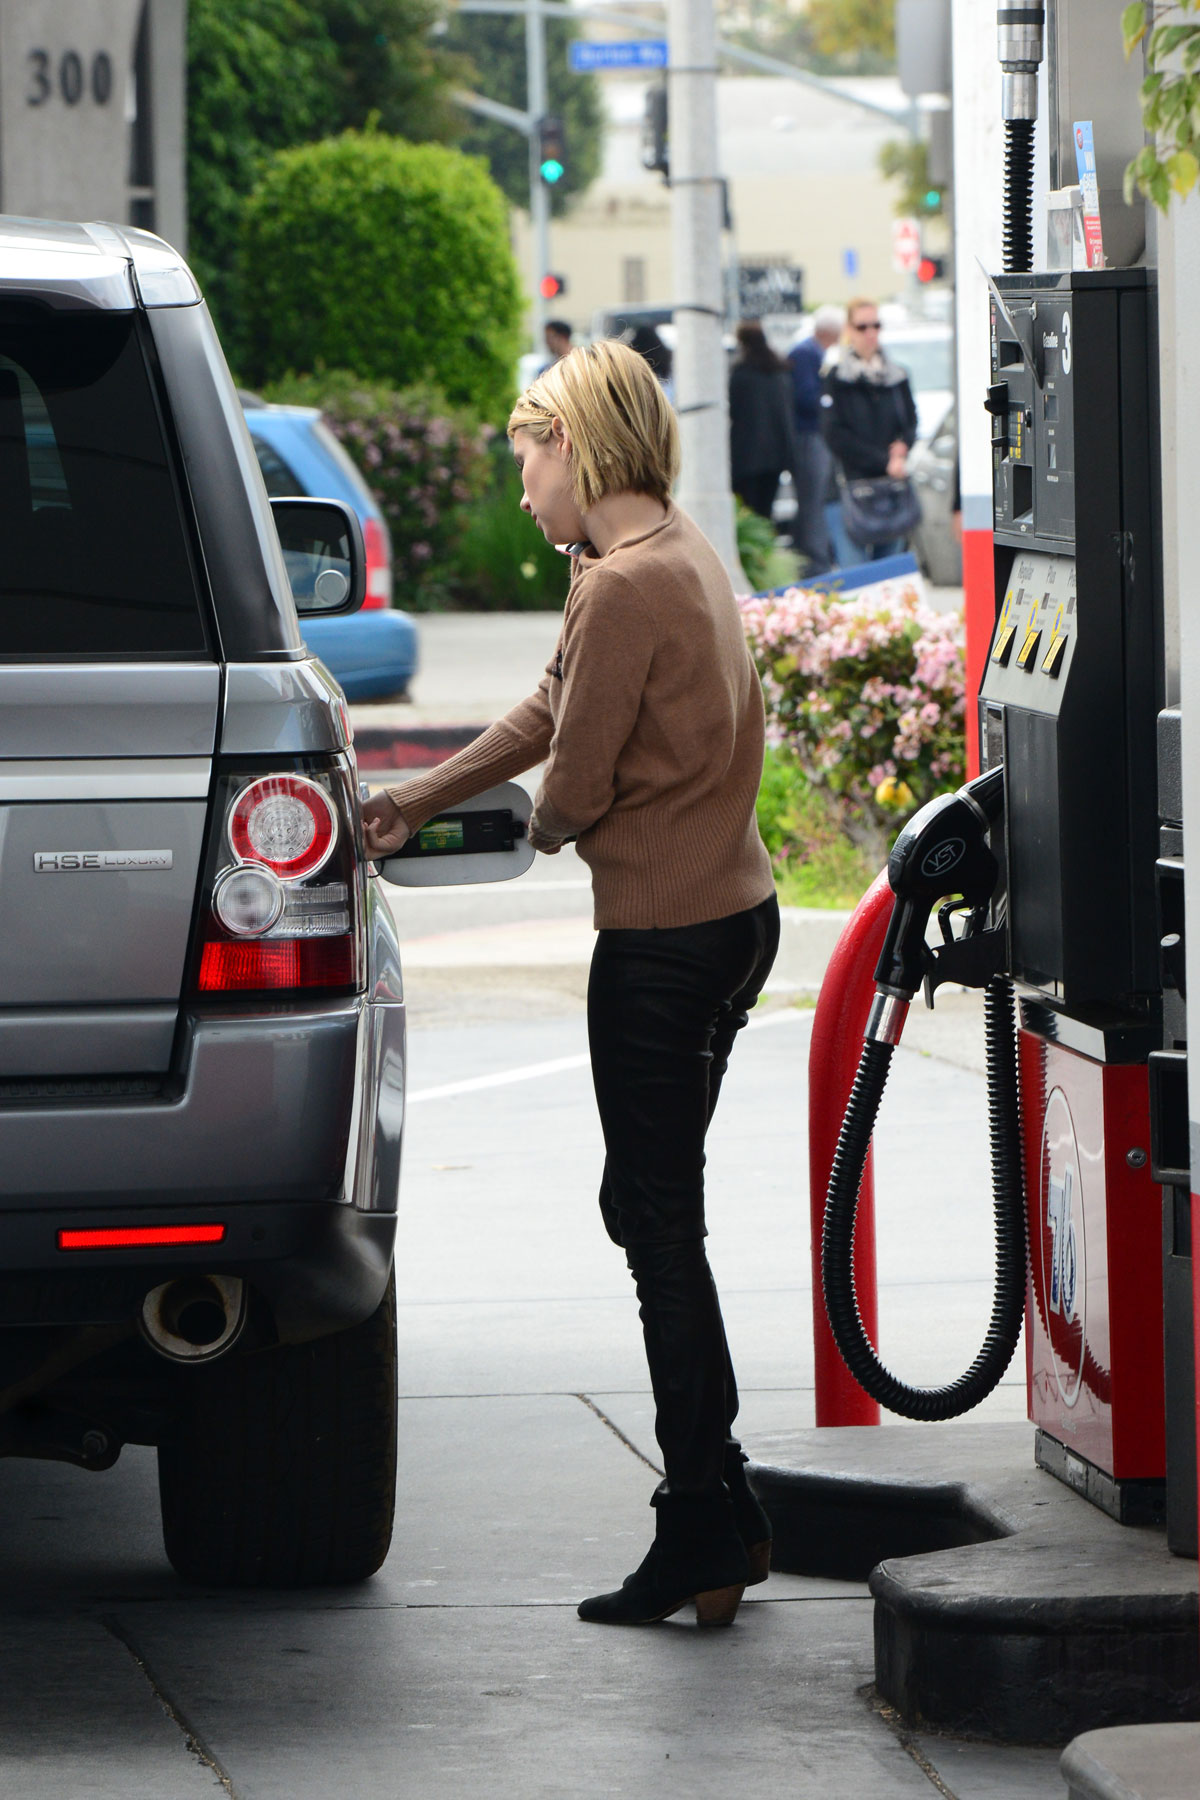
[{"x": 373, "y": 653}]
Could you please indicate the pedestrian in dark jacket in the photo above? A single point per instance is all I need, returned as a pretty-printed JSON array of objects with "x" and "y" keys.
[
  {"x": 870, "y": 417},
  {"x": 762, "y": 439},
  {"x": 812, "y": 470}
]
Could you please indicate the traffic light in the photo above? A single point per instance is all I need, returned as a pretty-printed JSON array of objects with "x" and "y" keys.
[
  {"x": 655, "y": 139},
  {"x": 931, "y": 268},
  {"x": 552, "y": 151},
  {"x": 931, "y": 200},
  {"x": 551, "y": 286}
]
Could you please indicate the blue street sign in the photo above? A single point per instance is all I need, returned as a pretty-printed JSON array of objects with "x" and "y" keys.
[
  {"x": 850, "y": 263},
  {"x": 585, "y": 56}
]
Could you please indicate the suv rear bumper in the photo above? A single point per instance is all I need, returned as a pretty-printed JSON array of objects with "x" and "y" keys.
[
  {"x": 320, "y": 1267},
  {"x": 264, "y": 1107},
  {"x": 276, "y": 1124}
]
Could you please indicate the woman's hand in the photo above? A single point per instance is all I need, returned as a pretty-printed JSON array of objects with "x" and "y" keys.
[
  {"x": 384, "y": 830},
  {"x": 897, "y": 459}
]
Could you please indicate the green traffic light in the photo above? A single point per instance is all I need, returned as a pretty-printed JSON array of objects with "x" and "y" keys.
[
  {"x": 933, "y": 198},
  {"x": 552, "y": 170}
]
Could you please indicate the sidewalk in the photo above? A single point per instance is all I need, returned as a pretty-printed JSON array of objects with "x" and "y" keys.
[{"x": 511, "y": 957}]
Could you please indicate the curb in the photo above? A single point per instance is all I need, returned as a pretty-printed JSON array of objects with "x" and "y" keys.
[
  {"x": 411, "y": 746},
  {"x": 1006, "y": 1607}
]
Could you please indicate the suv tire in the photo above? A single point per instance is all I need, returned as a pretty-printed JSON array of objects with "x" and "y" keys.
[{"x": 280, "y": 1470}]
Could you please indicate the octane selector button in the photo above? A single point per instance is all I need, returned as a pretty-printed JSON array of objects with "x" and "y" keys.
[
  {"x": 1053, "y": 659},
  {"x": 1029, "y": 649}
]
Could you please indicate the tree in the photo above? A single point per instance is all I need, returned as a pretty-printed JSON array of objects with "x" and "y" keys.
[
  {"x": 906, "y": 160},
  {"x": 854, "y": 28},
  {"x": 829, "y": 37},
  {"x": 269, "y": 73},
  {"x": 390, "y": 66},
  {"x": 495, "y": 46},
  {"x": 364, "y": 252},
  {"x": 258, "y": 79},
  {"x": 1170, "y": 162}
]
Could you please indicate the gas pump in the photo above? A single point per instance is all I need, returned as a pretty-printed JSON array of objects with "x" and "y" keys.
[{"x": 1069, "y": 880}]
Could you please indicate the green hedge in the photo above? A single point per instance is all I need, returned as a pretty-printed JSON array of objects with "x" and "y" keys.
[
  {"x": 764, "y": 564},
  {"x": 503, "y": 563},
  {"x": 366, "y": 252},
  {"x": 816, "y": 863}
]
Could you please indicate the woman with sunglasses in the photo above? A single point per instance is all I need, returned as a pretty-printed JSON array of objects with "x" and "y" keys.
[
  {"x": 649, "y": 724},
  {"x": 869, "y": 415}
]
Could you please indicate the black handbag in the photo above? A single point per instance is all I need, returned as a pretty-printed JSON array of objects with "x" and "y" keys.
[{"x": 879, "y": 509}]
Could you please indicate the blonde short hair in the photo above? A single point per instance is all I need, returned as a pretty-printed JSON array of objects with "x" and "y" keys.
[{"x": 623, "y": 431}]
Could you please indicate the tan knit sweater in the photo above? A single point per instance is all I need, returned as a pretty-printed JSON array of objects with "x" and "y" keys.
[{"x": 650, "y": 723}]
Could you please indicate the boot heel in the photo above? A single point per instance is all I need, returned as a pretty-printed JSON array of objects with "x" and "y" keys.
[
  {"x": 760, "y": 1561},
  {"x": 719, "y": 1605}
]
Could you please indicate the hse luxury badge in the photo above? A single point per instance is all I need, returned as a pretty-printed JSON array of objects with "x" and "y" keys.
[{"x": 112, "y": 862}]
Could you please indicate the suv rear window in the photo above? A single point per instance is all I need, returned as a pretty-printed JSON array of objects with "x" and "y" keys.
[{"x": 94, "y": 555}]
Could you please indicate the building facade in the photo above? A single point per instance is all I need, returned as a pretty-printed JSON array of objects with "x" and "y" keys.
[
  {"x": 805, "y": 191},
  {"x": 92, "y": 111}
]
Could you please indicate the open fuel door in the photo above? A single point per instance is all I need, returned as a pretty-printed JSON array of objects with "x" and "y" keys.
[{"x": 483, "y": 839}]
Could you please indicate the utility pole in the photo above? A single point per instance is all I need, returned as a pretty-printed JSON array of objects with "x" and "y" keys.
[
  {"x": 701, "y": 381},
  {"x": 539, "y": 198}
]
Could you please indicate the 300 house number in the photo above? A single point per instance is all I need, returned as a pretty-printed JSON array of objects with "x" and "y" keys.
[{"x": 68, "y": 77}]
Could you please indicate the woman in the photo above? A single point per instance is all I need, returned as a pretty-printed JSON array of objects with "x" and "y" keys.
[
  {"x": 870, "y": 417},
  {"x": 650, "y": 723},
  {"x": 762, "y": 432}
]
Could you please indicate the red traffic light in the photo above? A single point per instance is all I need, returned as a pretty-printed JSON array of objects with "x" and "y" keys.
[
  {"x": 551, "y": 286},
  {"x": 931, "y": 268}
]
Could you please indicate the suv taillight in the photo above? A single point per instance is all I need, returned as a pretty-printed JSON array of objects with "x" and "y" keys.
[
  {"x": 379, "y": 564},
  {"x": 283, "y": 903}
]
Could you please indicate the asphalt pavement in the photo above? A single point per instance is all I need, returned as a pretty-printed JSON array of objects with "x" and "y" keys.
[{"x": 527, "y": 1447}]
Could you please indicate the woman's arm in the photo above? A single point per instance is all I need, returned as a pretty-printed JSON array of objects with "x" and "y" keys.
[
  {"x": 518, "y": 741},
  {"x": 608, "y": 646},
  {"x": 908, "y": 408}
]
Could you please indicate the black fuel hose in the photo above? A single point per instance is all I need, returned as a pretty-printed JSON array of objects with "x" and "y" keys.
[
  {"x": 1008, "y": 1199},
  {"x": 1018, "y": 196}
]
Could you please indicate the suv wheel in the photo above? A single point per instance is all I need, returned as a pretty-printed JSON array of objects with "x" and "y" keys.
[{"x": 281, "y": 1467}]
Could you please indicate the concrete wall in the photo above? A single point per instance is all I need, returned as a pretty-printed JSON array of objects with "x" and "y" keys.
[{"x": 67, "y": 101}]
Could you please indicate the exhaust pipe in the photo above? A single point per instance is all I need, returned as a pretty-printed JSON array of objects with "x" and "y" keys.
[{"x": 194, "y": 1318}]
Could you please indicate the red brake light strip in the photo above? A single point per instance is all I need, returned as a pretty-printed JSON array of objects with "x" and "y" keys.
[{"x": 125, "y": 1237}]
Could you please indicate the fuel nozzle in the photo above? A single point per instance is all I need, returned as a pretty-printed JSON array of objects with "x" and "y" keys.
[
  {"x": 1022, "y": 28},
  {"x": 942, "y": 854},
  {"x": 1021, "y": 31}
]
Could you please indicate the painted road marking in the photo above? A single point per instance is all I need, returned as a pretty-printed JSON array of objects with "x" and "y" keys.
[{"x": 560, "y": 1065}]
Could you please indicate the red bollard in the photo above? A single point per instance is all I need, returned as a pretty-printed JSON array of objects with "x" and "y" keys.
[{"x": 837, "y": 1039}]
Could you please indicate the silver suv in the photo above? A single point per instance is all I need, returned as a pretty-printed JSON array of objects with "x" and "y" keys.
[{"x": 201, "y": 1014}]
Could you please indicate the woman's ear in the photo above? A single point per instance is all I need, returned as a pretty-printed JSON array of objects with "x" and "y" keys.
[{"x": 562, "y": 441}]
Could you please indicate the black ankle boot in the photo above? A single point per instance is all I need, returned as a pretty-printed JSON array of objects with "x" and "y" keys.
[
  {"x": 697, "y": 1555},
  {"x": 754, "y": 1527}
]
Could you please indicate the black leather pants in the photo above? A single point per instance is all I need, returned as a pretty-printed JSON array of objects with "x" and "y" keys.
[{"x": 664, "y": 1008}]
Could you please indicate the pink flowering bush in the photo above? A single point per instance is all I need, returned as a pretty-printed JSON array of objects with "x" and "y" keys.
[
  {"x": 867, "y": 692},
  {"x": 424, "y": 461}
]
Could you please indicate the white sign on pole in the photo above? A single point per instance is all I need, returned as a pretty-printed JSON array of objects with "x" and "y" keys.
[{"x": 906, "y": 245}]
